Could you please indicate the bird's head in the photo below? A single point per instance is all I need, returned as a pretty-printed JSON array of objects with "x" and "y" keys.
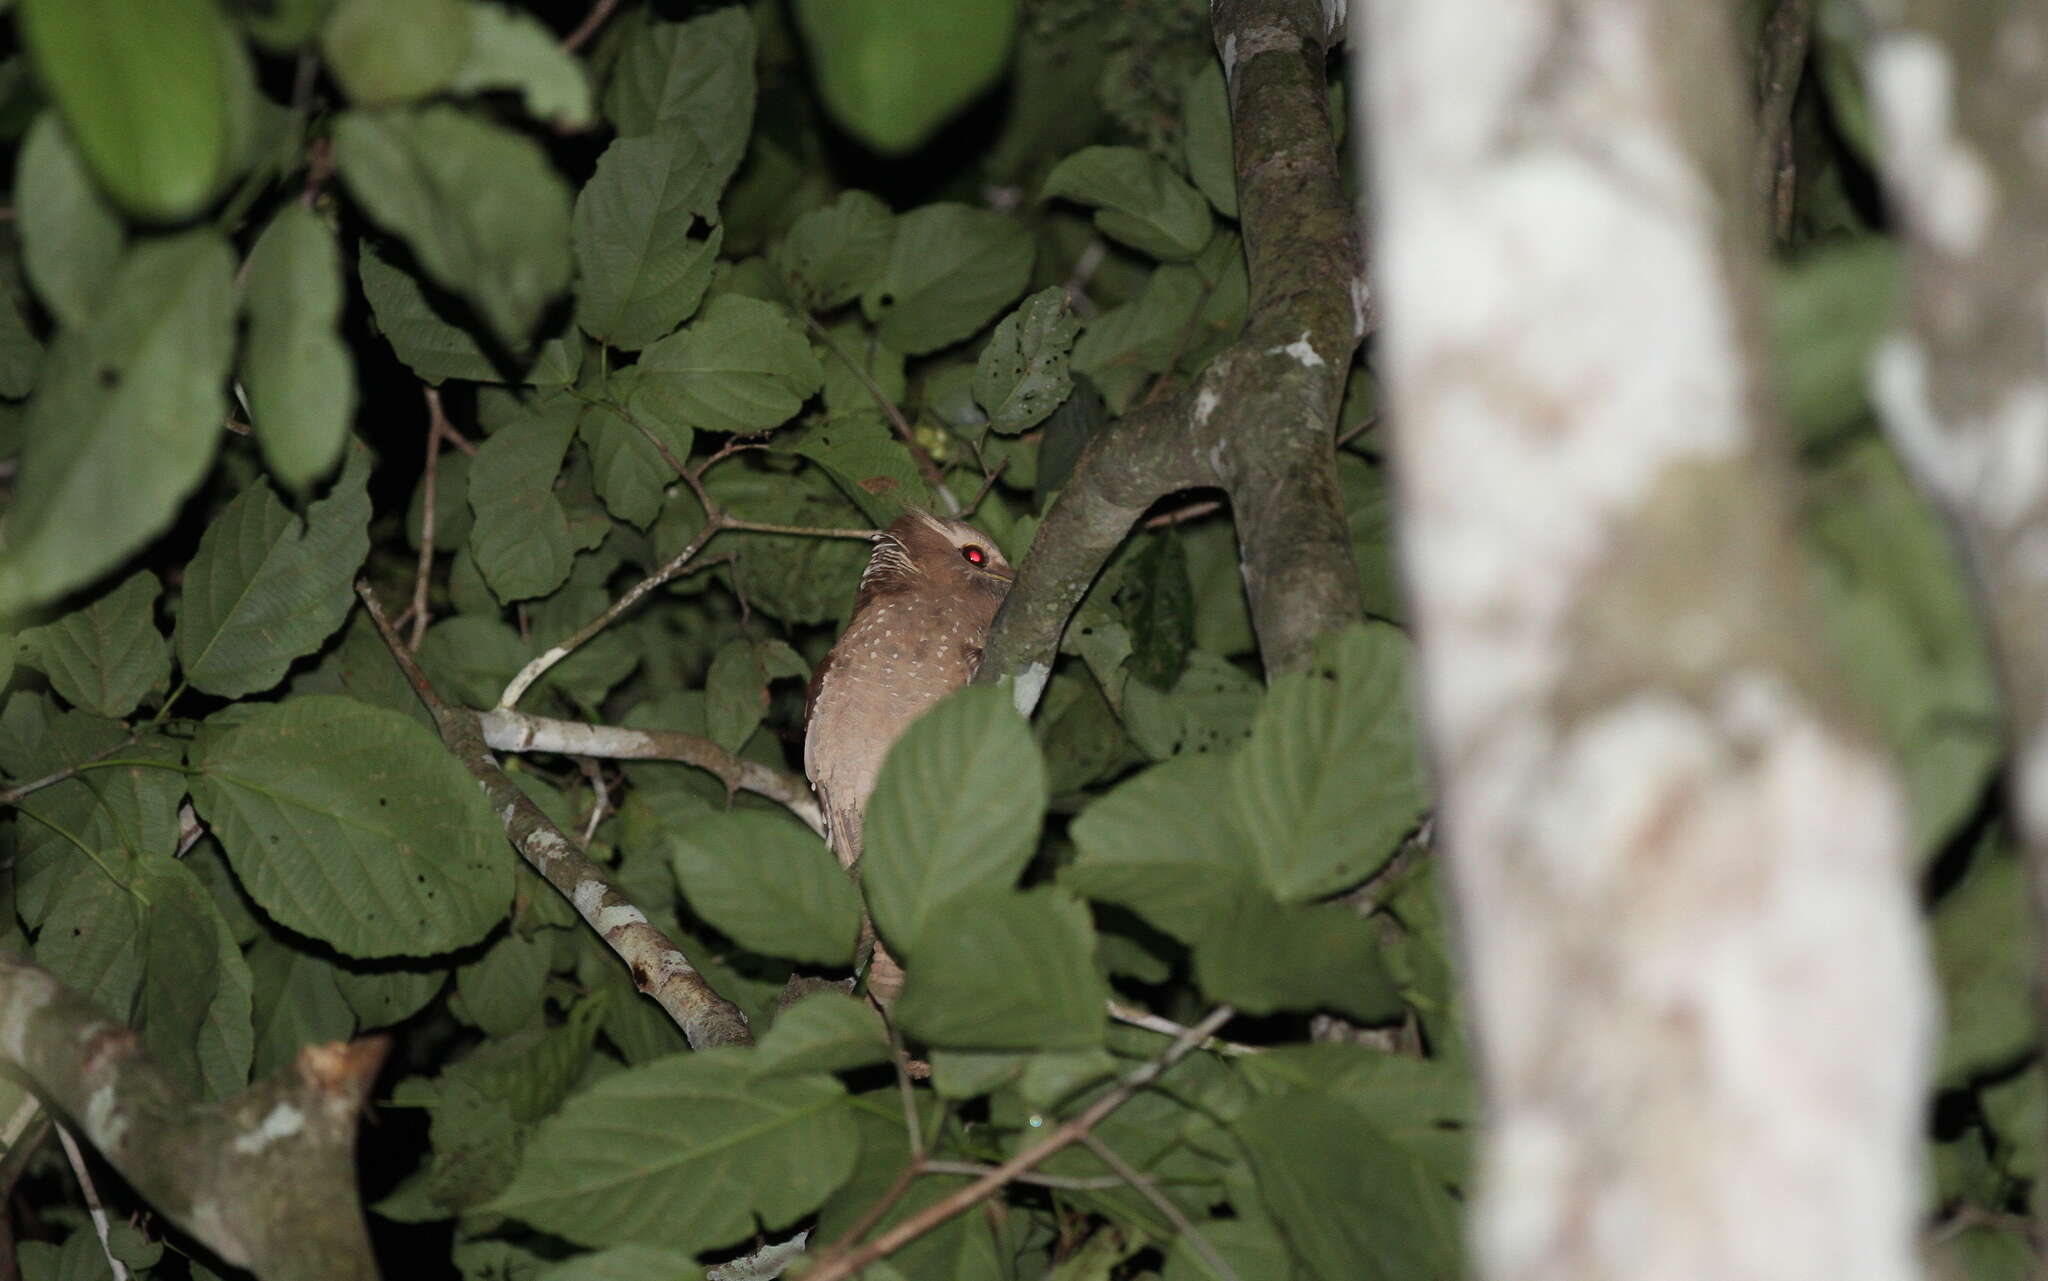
[{"x": 922, "y": 551}]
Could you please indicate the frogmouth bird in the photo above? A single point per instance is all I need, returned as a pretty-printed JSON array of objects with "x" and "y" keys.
[{"x": 926, "y": 600}]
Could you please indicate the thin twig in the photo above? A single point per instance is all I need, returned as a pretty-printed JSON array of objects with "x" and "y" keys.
[
  {"x": 1181, "y": 515},
  {"x": 1150, "y": 1191},
  {"x": 898, "y": 1058},
  {"x": 437, "y": 420},
  {"x": 92, "y": 1200},
  {"x": 1167, "y": 1027},
  {"x": 928, "y": 467},
  {"x": 15, "y": 794},
  {"x": 1368, "y": 423},
  {"x": 1074, "y": 1182},
  {"x": 588, "y": 27},
  {"x": 840, "y": 1264},
  {"x": 1779, "y": 66}
]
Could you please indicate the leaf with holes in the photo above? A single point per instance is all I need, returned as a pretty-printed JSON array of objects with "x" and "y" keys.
[
  {"x": 353, "y": 825},
  {"x": 1022, "y": 375},
  {"x": 640, "y": 272}
]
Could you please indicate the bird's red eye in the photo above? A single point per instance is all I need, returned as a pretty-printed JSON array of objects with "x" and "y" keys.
[{"x": 974, "y": 554}]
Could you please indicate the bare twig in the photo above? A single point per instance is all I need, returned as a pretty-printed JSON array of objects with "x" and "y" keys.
[
  {"x": 1167, "y": 1027},
  {"x": 1779, "y": 65},
  {"x": 590, "y": 24},
  {"x": 437, "y": 423},
  {"x": 14, "y": 794},
  {"x": 1150, "y": 1191},
  {"x": 1181, "y": 515},
  {"x": 92, "y": 1200},
  {"x": 839, "y": 1263},
  {"x": 1074, "y": 1182}
]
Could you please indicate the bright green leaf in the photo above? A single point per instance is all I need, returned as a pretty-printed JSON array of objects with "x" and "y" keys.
[
  {"x": 956, "y": 810},
  {"x": 892, "y": 72},
  {"x": 125, "y": 419},
  {"x": 71, "y": 241},
  {"x": 1008, "y": 972},
  {"x": 513, "y": 50},
  {"x": 295, "y": 369},
  {"x": 770, "y": 884},
  {"x": 387, "y": 51},
  {"x": 482, "y": 208}
]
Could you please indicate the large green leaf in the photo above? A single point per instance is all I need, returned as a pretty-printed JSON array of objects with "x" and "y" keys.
[
  {"x": 741, "y": 366},
  {"x": 686, "y": 1152},
  {"x": 1007, "y": 972},
  {"x": 125, "y": 419},
  {"x": 70, "y": 240},
  {"x": 267, "y": 587},
  {"x": 951, "y": 269},
  {"x": 521, "y": 537},
  {"x": 385, "y": 51},
  {"x": 513, "y": 50},
  {"x": 1022, "y": 374},
  {"x": 106, "y": 656},
  {"x": 1138, "y": 199},
  {"x": 770, "y": 884},
  {"x": 484, "y": 212},
  {"x": 296, "y": 1003},
  {"x": 696, "y": 76},
  {"x": 1205, "y": 137},
  {"x": 1354, "y": 1205},
  {"x": 1332, "y": 777},
  {"x": 639, "y": 271},
  {"x": 871, "y": 465},
  {"x": 353, "y": 825},
  {"x": 824, "y": 1032},
  {"x": 435, "y": 349},
  {"x": 1263, "y": 956},
  {"x": 1983, "y": 952},
  {"x": 195, "y": 1006},
  {"x": 1166, "y": 845},
  {"x": 295, "y": 369},
  {"x": 955, "y": 811},
  {"x": 892, "y": 72},
  {"x": 831, "y": 254}
]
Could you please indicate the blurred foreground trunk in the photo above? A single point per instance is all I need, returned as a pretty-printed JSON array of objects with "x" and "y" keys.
[{"x": 1697, "y": 973}]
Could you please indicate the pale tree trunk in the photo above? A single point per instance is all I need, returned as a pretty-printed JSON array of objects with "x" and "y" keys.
[
  {"x": 1698, "y": 981},
  {"x": 1961, "y": 97}
]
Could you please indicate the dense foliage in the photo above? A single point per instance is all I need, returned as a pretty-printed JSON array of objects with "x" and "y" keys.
[{"x": 302, "y": 292}]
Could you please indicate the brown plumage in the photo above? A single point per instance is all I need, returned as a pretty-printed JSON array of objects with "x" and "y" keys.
[{"x": 930, "y": 592}]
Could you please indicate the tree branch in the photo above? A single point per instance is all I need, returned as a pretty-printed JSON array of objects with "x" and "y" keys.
[{"x": 658, "y": 966}]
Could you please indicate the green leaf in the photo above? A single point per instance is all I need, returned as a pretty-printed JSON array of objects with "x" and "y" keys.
[
  {"x": 125, "y": 420},
  {"x": 966, "y": 1247},
  {"x": 71, "y": 241},
  {"x": 105, "y": 657},
  {"x": 353, "y": 825},
  {"x": 484, "y": 212},
  {"x": 1008, "y": 972},
  {"x": 696, "y": 76},
  {"x": 892, "y": 72},
  {"x": 770, "y": 884},
  {"x": 500, "y": 992},
  {"x": 436, "y": 349},
  {"x": 831, "y": 254},
  {"x": 1138, "y": 199},
  {"x": 628, "y": 472},
  {"x": 267, "y": 587},
  {"x": 626, "y": 1263},
  {"x": 151, "y": 93},
  {"x": 1206, "y": 139},
  {"x": 1022, "y": 374},
  {"x": 1982, "y": 953},
  {"x": 386, "y": 51},
  {"x": 1210, "y": 709},
  {"x": 295, "y": 369},
  {"x": 521, "y": 536},
  {"x": 21, "y": 345},
  {"x": 823, "y": 1032},
  {"x": 684, "y": 1152},
  {"x": 92, "y": 940},
  {"x": 295, "y": 1004},
  {"x": 1428, "y": 1106},
  {"x": 870, "y": 465},
  {"x": 791, "y": 577},
  {"x": 1263, "y": 957},
  {"x": 1332, "y": 777},
  {"x": 951, "y": 269},
  {"x": 513, "y": 50},
  {"x": 1354, "y": 1205},
  {"x": 741, "y": 366},
  {"x": 1158, "y": 608},
  {"x": 639, "y": 271},
  {"x": 955, "y": 811},
  {"x": 1826, "y": 312},
  {"x": 280, "y": 25},
  {"x": 849, "y": 350},
  {"x": 195, "y": 1015},
  {"x": 736, "y": 687},
  {"x": 384, "y": 996},
  {"x": 1165, "y": 845},
  {"x": 1124, "y": 347}
]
